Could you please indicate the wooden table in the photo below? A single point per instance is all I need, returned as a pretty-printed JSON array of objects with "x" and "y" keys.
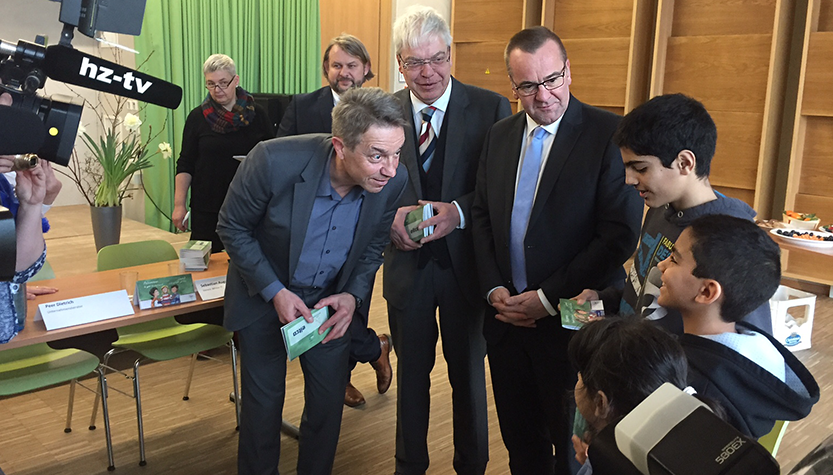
[{"x": 108, "y": 281}]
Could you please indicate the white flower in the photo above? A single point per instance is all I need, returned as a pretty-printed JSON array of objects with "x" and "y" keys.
[
  {"x": 81, "y": 130},
  {"x": 165, "y": 150},
  {"x": 132, "y": 122}
]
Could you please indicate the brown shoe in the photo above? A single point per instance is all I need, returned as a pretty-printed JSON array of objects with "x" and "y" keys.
[
  {"x": 352, "y": 396},
  {"x": 384, "y": 371}
]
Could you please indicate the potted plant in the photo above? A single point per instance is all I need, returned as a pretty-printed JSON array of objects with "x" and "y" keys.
[{"x": 103, "y": 172}]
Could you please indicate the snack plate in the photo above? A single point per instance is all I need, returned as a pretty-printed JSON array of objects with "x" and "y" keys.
[{"x": 804, "y": 242}]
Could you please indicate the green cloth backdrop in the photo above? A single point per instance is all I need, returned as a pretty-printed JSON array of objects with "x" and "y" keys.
[{"x": 275, "y": 45}]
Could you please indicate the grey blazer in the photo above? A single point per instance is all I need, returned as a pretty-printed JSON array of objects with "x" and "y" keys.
[{"x": 264, "y": 220}]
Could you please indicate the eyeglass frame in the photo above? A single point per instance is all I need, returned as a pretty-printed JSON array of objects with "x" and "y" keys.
[
  {"x": 417, "y": 64},
  {"x": 534, "y": 91},
  {"x": 220, "y": 85}
]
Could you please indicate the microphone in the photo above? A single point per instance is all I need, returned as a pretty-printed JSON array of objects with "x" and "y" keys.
[
  {"x": 69, "y": 65},
  {"x": 21, "y": 131}
]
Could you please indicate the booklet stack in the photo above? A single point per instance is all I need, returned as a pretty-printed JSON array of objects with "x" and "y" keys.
[
  {"x": 195, "y": 255},
  {"x": 415, "y": 217}
]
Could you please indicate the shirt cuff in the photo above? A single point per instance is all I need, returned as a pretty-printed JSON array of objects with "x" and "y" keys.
[
  {"x": 547, "y": 305},
  {"x": 489, "y": 293},
  {"x": 45, "y": 208},
  {"x": 462, "y": 224},
  {"x": 271, "y": 290}
]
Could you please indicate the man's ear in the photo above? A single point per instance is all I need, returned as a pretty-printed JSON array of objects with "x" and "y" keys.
[
  {"x": 687, "y": 162},
  {"x": 601, "y": 405},
  {"x": 710, "y": 291},
  {"x": 338, "y": 145}
]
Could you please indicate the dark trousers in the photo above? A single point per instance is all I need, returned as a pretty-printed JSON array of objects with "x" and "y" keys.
[
  {"x": 414, "y": 331},
  {"x": 204, "y": 228},
  {"x": 533, "y": 383},
  {"x": 364, "y": 343},
  {"x": 263, "y": 377}
]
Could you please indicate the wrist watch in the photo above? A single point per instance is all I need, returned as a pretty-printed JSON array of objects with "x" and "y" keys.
[{"x": 359, "y": 302}]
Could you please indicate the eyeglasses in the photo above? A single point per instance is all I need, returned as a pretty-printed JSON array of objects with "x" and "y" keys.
[
  {"x": 551, "y": 83},
  {"x": 434, "y": 62},
  {"x": 221, "y": 84}
]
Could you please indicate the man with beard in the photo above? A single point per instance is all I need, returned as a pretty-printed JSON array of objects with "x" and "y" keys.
[{"x": 346, "y": 65}]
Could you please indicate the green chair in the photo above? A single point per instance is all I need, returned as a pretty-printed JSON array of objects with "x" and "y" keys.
[
  {"x": 163, "y": 339},
  {"x": 38, "y": 366},
  {"x": 772, "y": 441},
  {"x": 45, "y": 273}
]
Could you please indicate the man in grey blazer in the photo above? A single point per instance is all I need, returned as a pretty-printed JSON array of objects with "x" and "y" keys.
[
  {"x": 305, "y": 222},
  {"x": 551, "y": 215},
  {"x": 346, "y": 65},
  {"x": 441, "y": 155}
]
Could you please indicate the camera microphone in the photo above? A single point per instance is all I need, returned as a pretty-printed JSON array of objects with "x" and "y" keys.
[{"x": 67, "y": 64}]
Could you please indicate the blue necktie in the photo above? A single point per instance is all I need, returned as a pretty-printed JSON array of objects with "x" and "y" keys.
[{"x": 522, "y": 207}]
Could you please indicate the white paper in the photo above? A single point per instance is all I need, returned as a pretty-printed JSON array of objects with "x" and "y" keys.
[
  {"x": 81, "y": 310},
  {"x": 211, "y": 288}
]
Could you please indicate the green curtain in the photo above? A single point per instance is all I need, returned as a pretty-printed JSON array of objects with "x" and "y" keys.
[{"x": 275, "y": 44}]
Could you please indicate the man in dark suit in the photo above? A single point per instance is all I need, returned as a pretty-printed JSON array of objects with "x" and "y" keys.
[
  {"x": 441, "y": 154},
  {"x": 305, "y": 222},
  {"x": 346, "y": 65},
  {"x": 551, "y": 214}
]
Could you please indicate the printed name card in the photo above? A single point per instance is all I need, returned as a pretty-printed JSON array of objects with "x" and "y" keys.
[
  {"x": 212, "y": 288},
  {"x": 81, "y": 310}
]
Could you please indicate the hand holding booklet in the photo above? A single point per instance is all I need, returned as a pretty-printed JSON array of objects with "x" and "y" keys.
[
  {"x": 300, "y": 335},
  {"x": 574, "y": 316},
  {"x": 417, "y": 216}
]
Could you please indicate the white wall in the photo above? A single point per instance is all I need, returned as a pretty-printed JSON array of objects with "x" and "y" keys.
[{"x": 399, "y": 7}]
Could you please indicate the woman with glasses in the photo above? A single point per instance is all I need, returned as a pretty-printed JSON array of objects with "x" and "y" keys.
[{"x": 217, "y": 134}]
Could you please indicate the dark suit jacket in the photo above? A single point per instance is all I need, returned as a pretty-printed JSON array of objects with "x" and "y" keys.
[
  {"x": 585, "y": 220},
  {"x": 309, "y": 113},
  {"x": 264, "y": 220},
  {"x": 471, "y": 111}
]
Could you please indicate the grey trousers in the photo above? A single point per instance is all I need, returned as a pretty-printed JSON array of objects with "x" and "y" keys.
[{"x": 263, "y": 377}]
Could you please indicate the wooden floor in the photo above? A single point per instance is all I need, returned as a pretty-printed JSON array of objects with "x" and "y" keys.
[{"x": 198, "y": 436}]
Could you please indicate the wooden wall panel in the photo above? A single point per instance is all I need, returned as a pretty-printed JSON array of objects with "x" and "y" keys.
[
  {"x": 818, "y": 81},
  {"x": 486, "y": 20},
  {"x": 593, "y": 18},
  {"x": 600, "y": 70},
  {"x": 726, "y": 73},
  {"x": 368, "y": 20},
  {"x": 816, "y": 177},
  {"x": 821, "y": 205},
  {"x": 825, "y": 15},
  {"x": 723, "y": 17},
  {"x": 735, "y": 163},
  {"x": 482, "y": 65}
]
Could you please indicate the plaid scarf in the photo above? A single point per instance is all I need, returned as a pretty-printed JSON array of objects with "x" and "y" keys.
[{"x": 224, "y": 121}]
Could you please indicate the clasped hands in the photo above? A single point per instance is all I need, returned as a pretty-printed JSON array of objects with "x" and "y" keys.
[
  {"x": 521, "y": 310},
  {"x": 289, "y": 307},
  {"x": 446, "y": 219}
]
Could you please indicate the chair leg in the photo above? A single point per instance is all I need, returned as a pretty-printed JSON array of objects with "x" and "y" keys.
[
  {"x": 138, "y": 396},
  {"x": 106, "y": 360},
  {"x": 102, "y": 384},
  {"x": 233, "y": 348},
  {"x": 190, "y": 376},
  {"x": 70, "y": 403}
]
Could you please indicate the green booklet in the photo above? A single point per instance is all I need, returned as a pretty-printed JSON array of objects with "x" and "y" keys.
[
  {"x": 300, "y": 335},
  {"x": 574, "y": 316},
  {"x": 164, "y": 291},
  {"x": 415, "y": 217}
]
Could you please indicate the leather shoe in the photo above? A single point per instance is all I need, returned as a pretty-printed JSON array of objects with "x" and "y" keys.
[
  {"x": 384, "y": 371},
  {"x": 352, "y": 396}
]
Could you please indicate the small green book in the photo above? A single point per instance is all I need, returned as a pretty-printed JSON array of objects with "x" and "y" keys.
[
  {"x": 415, "y": 217},
  {"x": 574, "y": 316},
  {"x": 300, "y": 335}
]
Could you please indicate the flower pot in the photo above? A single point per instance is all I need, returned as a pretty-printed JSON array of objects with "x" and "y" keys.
[{"x": 106, "y": 225}]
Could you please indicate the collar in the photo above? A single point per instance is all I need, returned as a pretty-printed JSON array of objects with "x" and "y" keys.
[
  {"x": 551, "y": 128},
  {"x": 336, "y": 97},
  {"x": 440, "y": 104}
]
